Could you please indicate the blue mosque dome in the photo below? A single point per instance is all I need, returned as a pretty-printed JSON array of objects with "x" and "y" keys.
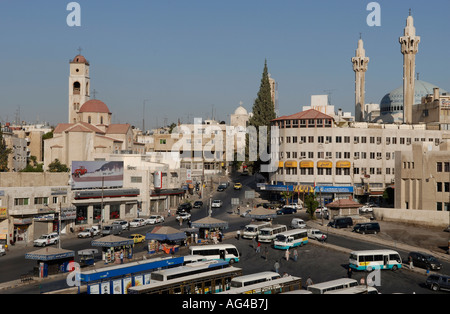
[{"x": 393, "y": 102}]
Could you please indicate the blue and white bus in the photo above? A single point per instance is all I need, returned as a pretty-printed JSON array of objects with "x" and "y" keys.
[
  {"x": 227, "y": 252},
  {"x": 375, "y": 259},
  {"x": 290, "y": 239}
]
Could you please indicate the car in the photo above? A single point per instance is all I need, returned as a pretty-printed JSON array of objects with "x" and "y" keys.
[
  {"x": 286, "y": 209},
  {"x": 2, "y": 250},
  {"x": 92, "y": 231},
  {"x": 238, "y": 186},
  {"x": 216, "y": 204},
  {"x": 321, "y": 210},
  {"x": 186, "y": 207},
  {"x": 341, "y": 222},
  {"x": 296, "y": 205},
  {"x": 198, "y": 204},
  {"x": 154, "y": 219},
  {"x": 367, "y": 227},
  {"x": 366, "y": 209},
  {"x": 183, "y": 216},
  {"x": 47, "y": 239},
  {"x": 298, "y": 223},
  {"x": 137, "y": 222},
  {"x": 138, "y": 238},
  {"x": 316, "y": 234},
  {"x": 424, "y": 260},
  {"x": 122, "y": 223},
  {"x": 437, "y": 282}
]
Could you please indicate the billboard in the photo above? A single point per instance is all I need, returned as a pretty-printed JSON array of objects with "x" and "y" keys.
[
  {"x": 97, "y": 174},
  {"x": 157, "y": 179}
]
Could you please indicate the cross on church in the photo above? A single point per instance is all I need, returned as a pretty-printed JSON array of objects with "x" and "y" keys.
[
  {"x": 79, "y": 50},
  {"x": 94, "y": 93}
]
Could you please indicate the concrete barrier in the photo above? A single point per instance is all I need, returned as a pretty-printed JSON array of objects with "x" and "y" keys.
[{"x": 428, "y": 218}]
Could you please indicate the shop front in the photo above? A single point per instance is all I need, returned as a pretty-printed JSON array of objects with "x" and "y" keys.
[{"x": 113, "y": 247}]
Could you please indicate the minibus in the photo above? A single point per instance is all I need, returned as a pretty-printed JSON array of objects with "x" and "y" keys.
[
  {"x": 247, "y": 280},
  {"x": 252, "y": 230},
  {"x": 375, "y": 259},
  {"x": 338, "y": 284},
  {"x": 267, "y": 234},
  {"x": 289, "y": 239},
  {"x": 227, "y": 252}
]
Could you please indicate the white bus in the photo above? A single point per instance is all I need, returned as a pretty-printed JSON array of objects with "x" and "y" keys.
[
  {"x": 355, "y": 290},
  {"x": 187, "y": 270},
  {"x": 290, "y": 239},
  {"x": 252, "y": 230},
  {"x": 227, "y": 252},
  {"x": 247, "y": 280},
  {"x": 375, "y": 259},
  {"x": 332, "y": 285},
  {"x": 267, "y": 234}
]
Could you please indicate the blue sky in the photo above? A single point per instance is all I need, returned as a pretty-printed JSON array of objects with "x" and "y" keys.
[{"x": 194, "y": 57}]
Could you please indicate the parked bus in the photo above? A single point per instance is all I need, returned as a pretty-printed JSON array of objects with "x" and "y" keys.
[
  {"x": 247, "y": 280},
  {"x": 252, "y": 230},
  {"x": 276, "y": 286},
  {"x": 227, "y": 252},
  {"x": 204, "y": 283},
  {"x": 267, "y": 234},
  {"x": 332, "y": 285},
  {"x": 290, "y": 239},
  {"x": 355, "y": 290},
  {"x": 375, "y": 259},
  {"x": 187, "y": 270}
]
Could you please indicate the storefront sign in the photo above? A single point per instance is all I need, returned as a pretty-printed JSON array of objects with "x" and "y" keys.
[
  {"x": 343, "y": 164},
  {"x": 324, "y": 164},
  {"x": 3, "y": 213}
]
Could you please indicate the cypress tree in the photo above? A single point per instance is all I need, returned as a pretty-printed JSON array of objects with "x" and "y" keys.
[{"x": 263, "y": 112}]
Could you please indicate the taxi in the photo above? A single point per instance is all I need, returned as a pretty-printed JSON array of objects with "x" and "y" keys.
[
  {"x": 138, "y": 238},
  {"x": 238, "y": 186}
]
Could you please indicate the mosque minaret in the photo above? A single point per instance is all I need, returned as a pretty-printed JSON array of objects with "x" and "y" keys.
[{"x": 360, "y": 63}]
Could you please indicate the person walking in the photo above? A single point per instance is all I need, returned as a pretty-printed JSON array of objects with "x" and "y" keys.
[
  {"x": 238, "y": 234},
  {"x": 276, "y": 266},
  {"x": 121, "y": 257},
  {"x": 349, "y": 272},
  {"x": 295, "y": 254},
  {"x": 287, "y": 254},
  {"x": 309, "y": 282},
  {"x": 410, "y": 260},
  {"x": 258, "y": 247}
]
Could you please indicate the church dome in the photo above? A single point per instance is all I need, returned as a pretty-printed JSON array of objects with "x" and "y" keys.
[
  {"x": 241, "y": 111},
  {"x": 94, "y": 105},
  {"x": 79, "y": 59},
  {"x": 393, "y": 102}
]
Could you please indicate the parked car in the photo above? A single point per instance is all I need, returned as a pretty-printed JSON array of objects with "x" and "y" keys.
[
  {"x": 47, "y": 239},
  {"x": 184, "y": 207},
  {"x": 238, "y": 186},
  {"x": 137, "y": 222},
  {"x": 286, "y": 209},
  {"x": 183, "y": 216},
  {"x": 216, "y": 204},
  {"x": 154, "y": 219},
  {"x": 368, "y": 227},
  {"x": 341, "y": 222},
  {"x": 366, "y": 209},
  {"x": 316, "y": 234},
  {"x": 113, "y": 229},
  {"x": 122, "y": 223},
  {"x": 138, "y": 238},
  {"x": 2, "y": 250},
  {"x": 322, "y": 210},
  {"x": 222, "y": 187},
  {"x": 437, "y": 282},
  {"x": 424, "y": 260},
  {"x": 92, "y": 231},
  {"x": 298, "y": 223},
  {"x": 198, "y": 204}
]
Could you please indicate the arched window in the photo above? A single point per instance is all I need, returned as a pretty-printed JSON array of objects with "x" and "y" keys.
[
  {"x": 101, "y": 120},
  {"x": 89, "y": 119},
  {"x": 76, "y": 88}
]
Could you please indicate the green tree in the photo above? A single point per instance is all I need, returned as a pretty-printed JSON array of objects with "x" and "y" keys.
[
  {"x": 263, "y": 113},
  {"x": 311, "y": 205},
  {"x": 57, "y": 166},
  {"x": 4, "y": 153},
  {"x": 33, "y": 165}
]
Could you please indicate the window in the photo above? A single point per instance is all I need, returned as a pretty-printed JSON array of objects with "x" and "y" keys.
[
  {"x": 294, "y": 139},
  {"x": 439, "y": 166},
  {"x": 439, "y": 186},
  {"x": 21, "y": 201},
  {"x": 310, "y": 139},
  {"x": 338, "y": 139},
  {"x": 320, "y": 139},
  {"x": 136, "y": 179},
  {"x": 363, "y": 139},
  {"x": 446, "y": 167},
  {"x": 40, "y": 200},
  {"x": 356, "y": 139},
  {"x": 162, "y": 141},
  {"x": 446, "y": 186},
  {"x": 311, "y": 155}
]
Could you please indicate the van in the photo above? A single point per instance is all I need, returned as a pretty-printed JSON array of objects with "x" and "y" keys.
[
  {"x": 252, "y": 230},
  {"x": 341, "y": 222},
  {"x": 369, "y": 227},
  {"x": 437, "y": 282},
  {"x": 111, "y": 230},
  {"x": 298, "y": 223}
]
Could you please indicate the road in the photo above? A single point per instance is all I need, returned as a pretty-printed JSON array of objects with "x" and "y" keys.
[{"x": 315, "y": 261}]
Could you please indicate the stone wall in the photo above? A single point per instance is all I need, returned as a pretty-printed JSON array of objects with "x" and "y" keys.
[{"x": 417, "y": 217}]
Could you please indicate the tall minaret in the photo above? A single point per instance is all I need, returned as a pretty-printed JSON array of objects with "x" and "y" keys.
[
  {"x": 79, "y": 85},
  {"x": 410, "y": 46},
  {"x": 360, "y": 62}
]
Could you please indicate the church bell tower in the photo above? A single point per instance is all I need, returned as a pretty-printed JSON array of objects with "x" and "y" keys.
[{"x": 79, "y": 84}]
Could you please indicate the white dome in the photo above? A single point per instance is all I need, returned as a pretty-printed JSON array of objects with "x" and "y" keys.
[{"x": 241, "y": 111}]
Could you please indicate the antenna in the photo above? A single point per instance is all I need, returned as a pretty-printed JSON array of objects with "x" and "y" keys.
[
  {"x": 329, "y": 92},
  {"x": 143, "y": 116}
]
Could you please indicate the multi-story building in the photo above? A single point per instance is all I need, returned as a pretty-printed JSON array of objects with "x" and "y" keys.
[
  {"x": 17, "y": 159},
  {"x": 355, "y": 158}
]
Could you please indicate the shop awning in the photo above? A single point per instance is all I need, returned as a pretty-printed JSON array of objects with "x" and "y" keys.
[
  {"x": 290, "y": 164},
  {"x": 324, "y": 164},
  {"x": 307, "y": 164},
  {"x": 112, "y": 241},
  {"x": 343, "y": 164},
  {"x": 49, "y": 254},
  {"x": 280, "y": 164},
  {"x": 210, "y": 222},
  {"x": 165, "y": 233}
]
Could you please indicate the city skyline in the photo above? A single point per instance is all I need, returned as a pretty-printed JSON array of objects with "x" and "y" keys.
[{"x": 198, "y": 59}]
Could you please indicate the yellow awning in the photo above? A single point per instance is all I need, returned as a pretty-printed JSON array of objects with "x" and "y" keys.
[
  {"x": 290, "y": 164},
  {"x": 343, "y": 164},
  {"x": 307, "y": 164},
  {"x": 280, "y": 164},
  {"x": 324, "y": 164}
]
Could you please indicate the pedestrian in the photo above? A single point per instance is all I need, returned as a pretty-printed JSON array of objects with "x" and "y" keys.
[
  {"x": 410, "y": 260},
  {"x": 287, "y": 254},
  {"x": 276, "y": 266},
  {"x": 258, "y": 247},
  {"x": 349, "y": 272},
  {"x": 121, "y": 257},
  {"x": 362, "y": 281},
  {"x": 309, "y": 282},
  {"x": 295, "y": 254},
  {"x": 238, "y": 234}
]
